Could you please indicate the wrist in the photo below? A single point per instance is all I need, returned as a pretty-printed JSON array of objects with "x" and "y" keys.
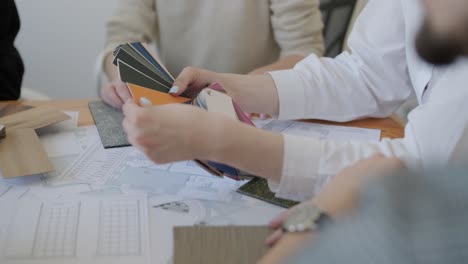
[
  {"x": 253, "y": 93},
  {"x": 222, "y": 131},
  {"x": 209, "y": 140},
  {"x": 249, "y": 149}
]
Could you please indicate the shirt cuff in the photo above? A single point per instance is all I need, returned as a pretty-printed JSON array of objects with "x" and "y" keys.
[
  {"x": 291, "y": 94},
  {"x": 299, "y": 180}
]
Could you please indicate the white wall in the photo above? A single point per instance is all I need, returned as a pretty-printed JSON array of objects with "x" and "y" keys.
[{"x": 59, "y": 42}]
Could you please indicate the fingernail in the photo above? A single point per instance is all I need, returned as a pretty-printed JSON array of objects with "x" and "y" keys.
[
  {"x": 145, "y": 101},
  {"x": 174, "y": 90}
]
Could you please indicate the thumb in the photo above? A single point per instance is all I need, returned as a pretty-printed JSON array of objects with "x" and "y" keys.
[
  {"x": 129, "y": 107},
  {"x": 190, "y": 81},
  {"x": 277, "y": 222}
]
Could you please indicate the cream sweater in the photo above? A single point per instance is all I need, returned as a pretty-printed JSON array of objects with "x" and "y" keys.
[{"x": 235, "y": 36}]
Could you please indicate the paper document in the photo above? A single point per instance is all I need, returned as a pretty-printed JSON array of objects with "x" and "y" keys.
[
  {"x": 81, "y": 230},
  {"x": 324, "y": 132},
  {"x": 95, "y": 166},
  {"x": 210, "y": 188},
  {"x": 60, "y": 144}
]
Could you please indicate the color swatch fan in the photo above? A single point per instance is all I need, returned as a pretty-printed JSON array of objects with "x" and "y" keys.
[
  {"x": 144, "y": 75},
  {"x": 147, "y": 78}
]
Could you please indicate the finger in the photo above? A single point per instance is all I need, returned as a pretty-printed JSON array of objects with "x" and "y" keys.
[
  {"x": 193, "y": 78},
  {"x": 278, "y": 221},
  {"x": 184, "y": 80},
  {"x": 134, "y": 136},
  {"x": 127, "y": 128},
  {"x": 378, "y": 156},
  {"x": 379, "y": 164},
  {"x": 130, "y": 109},
  {"x": 388, "y": 165},
  {"x": 122, "y": 90},
  {"x": 109, "y": 95},
  {"x": 274, "y": 238}
]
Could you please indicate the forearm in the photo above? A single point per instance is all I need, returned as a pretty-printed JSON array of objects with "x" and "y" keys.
[
  {"x": 255, "y": 94},
  {"x": 285, "y": 63},
  {"x": 250, "y": 149}
]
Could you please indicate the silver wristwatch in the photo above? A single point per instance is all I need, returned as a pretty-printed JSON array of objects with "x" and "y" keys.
[{"x": 305, "y": 217}]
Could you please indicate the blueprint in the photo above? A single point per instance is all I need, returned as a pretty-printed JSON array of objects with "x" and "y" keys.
[
  {"x": 110, "y": 229},
  {"x": 117, "y": 206},
  {"x": 324, "y": 132}
]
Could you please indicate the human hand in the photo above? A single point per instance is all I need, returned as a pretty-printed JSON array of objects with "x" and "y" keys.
[
  {"x": 115, "y": 93},
  {"x": 191, "y": 81},
  {"x": 340, "y": 194},
  {"x": 173, "y": 132},
  {"x": 253, "y": 93}
]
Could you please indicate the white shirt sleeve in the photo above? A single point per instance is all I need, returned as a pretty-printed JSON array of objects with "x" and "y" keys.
[
  {"x": 436, "y": 135},
  {"x": 371, "y": 81},
  {"x": 309, "y": 163}
]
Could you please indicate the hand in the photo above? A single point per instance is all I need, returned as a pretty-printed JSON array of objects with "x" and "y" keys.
[
  {"x": 192, "y": 80},
  {"x": 115, "y": 93},
  {"x": 340, "y": 194},
  {"x": 254, "y": 93},
  {"x": 172, "y": 132}
]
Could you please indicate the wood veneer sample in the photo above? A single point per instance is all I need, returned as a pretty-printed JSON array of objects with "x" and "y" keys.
[
  {"x": 22, "y": 154},
  {"x": 9, "y": 108},
  {"x": 34, "y": 118},
  {"x": 229, "y": 244}
]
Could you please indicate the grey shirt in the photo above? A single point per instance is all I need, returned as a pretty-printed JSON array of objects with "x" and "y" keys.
[{"x": 403, "y": 219}]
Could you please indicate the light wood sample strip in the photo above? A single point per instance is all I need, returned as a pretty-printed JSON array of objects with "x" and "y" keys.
[
  {"x": 34, "y": 118},
  {"x": 22, "y": 154}
]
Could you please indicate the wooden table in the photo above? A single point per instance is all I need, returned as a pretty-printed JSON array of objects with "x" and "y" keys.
[{"x": 390, "y": 127}]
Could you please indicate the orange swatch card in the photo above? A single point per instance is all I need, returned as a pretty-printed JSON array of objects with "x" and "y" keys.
[{"x": 155, "y": 97}]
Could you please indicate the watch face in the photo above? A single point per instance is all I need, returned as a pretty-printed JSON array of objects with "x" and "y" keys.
[{"x": 302, "y": 218}]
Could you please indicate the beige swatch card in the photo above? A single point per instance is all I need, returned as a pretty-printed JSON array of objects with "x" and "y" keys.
[
  {"x": 218, "y": 102},
  {"x": 229, "y": 244},
  {"x": 22, "y": 154}
]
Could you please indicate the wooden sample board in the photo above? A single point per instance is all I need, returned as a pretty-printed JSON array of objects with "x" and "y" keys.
[{"x": 219, "y": 244}]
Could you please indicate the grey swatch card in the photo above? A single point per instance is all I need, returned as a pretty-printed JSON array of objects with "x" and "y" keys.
[
  {"x": 109, "y": 125},
  {"x": 128, "y": 74}
]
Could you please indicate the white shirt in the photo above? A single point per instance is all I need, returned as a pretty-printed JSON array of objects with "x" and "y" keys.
[{"x": 382, "y": 71}]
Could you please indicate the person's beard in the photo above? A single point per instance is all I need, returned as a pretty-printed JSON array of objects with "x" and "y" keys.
[{"x": 436, "y": 49}]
